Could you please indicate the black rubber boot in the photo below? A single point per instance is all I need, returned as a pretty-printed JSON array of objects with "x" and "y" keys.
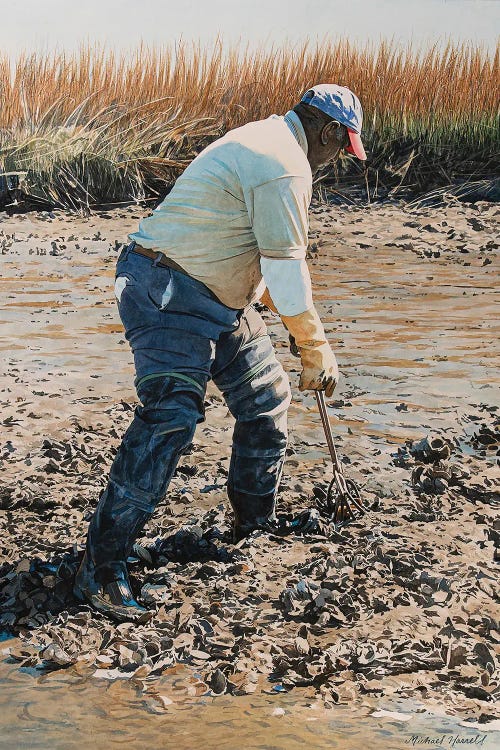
[
  {"x": 102, "y": 578},
  {"x": 114, "y": 598},
  {"x": 251, "y": 512}
]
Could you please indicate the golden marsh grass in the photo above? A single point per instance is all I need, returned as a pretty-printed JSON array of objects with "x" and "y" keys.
[{"x": 95, "y": 127}]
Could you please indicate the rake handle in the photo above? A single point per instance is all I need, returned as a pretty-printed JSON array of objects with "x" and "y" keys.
[{"x": 320, "y": 398}]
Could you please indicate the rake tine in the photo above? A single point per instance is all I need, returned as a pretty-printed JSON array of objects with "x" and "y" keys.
[
  {"x": 342, "y": 512},
  {"x": 340, "y": 508},
  {"x": 356, "y": 502}
]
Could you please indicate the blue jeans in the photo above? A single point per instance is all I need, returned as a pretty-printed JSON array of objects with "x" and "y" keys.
[{"x": 181, "y": 336}]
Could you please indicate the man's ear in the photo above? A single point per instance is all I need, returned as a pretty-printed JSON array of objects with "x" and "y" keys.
[{"x": 329, "y": 132}]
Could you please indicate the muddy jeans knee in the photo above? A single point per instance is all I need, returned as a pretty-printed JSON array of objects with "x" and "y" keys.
[
  {"x": 162, "y": 428},
  {"x": 260, "y": 434},
  {"x": 257, "y": 392}
]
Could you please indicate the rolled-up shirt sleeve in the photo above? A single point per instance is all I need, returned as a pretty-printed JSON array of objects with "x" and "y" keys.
[
  {"x": 280, "y": 217},
  {"x": 288, "y": 283}
]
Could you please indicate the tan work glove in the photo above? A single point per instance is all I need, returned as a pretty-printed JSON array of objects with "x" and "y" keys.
[
  {"x": 319, "y": 366},
  {"x": 267, "y": 301}
]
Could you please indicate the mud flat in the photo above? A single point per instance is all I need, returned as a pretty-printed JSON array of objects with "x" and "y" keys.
[{"x": 397, "y": 612}]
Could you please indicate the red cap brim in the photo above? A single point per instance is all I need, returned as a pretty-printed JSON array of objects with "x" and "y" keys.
[{"x": 356, "y": 147}]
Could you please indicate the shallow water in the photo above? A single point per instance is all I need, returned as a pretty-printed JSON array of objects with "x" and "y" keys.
[
  {"x": 415, "y": 332},
  {"x": 66, "y": 711},
  {"x": 429, "y": 339}
]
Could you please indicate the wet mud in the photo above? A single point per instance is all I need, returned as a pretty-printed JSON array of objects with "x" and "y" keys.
[{"x": 400, "y": 605}]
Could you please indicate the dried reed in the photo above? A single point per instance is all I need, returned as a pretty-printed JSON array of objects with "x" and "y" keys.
[{"x": 94, "y": 127}]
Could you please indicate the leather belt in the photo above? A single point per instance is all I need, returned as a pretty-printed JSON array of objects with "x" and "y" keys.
[
  {"x": 162, "y": 260},
  {"x": 153, "y": 255}
]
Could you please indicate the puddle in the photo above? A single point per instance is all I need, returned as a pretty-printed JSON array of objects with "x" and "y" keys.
[{"x": 64, "y": 711}]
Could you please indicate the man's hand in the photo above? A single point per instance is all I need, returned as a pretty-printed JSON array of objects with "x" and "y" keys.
[
  {"x": 308, "y": 341},
  {"x": 319, "y": 369}
]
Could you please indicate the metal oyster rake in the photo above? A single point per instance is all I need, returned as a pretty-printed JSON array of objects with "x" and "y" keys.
[{"x": 342, "y": 494}]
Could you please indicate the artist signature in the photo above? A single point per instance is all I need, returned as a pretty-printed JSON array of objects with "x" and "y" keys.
[{"x": 446, "y": 740}]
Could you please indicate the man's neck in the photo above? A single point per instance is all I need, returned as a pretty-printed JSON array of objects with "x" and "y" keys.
[{"x": 296, "y": 127}]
